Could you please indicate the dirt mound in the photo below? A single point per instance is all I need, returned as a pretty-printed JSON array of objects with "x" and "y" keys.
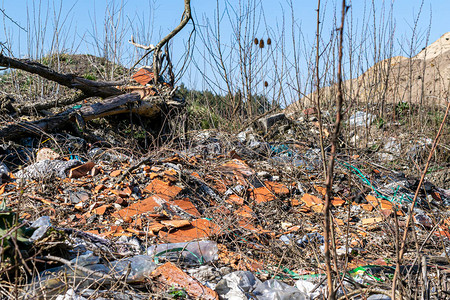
[
  {"x": 423, "y": 79},
  {"x": 85, "y": 65},
  {"x": 441, "y": 46}
]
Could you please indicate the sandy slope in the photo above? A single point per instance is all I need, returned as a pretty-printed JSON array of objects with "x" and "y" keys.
[{"x": 424, "y": 78}]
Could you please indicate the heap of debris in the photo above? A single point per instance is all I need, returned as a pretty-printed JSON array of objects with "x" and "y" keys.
[
  {"x": 214, "y": 216},
  {"x": 227, "y": 216}
]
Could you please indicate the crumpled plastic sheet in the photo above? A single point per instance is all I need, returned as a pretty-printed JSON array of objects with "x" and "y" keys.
[
  {"x": 98, "y": 154},
  {"x": 41, "y": 225},
  {"x": 205, "y": 274},
  {"x": 275, "y": 290},
  {"x": 3, "y": 171},
  {"x": 136, "y": 269},
  {"x": 47, "y": 169},
  {"x": 237, "y": 285},
  {"x": 244, "y": 285},
  {"x": 361, "y": 118},
  {"x": 306, "y": 287},
  {"x": 70, "y": 295},
  {"x": 313, "y": 237},
  {"x": 310, "y": 160},
  {"x": 378, "y": 297}
]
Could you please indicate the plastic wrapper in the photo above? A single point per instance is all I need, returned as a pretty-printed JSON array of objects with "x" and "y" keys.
[
  {"x": 274, "y": 290},
  {"x": 237, "y": 285}
]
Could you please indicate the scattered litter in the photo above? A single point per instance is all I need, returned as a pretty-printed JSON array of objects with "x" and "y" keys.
[
  {"x": 47, "y": 169},
  {"x": 361, "y": 118},
  {"x": 232, "y": 217}
]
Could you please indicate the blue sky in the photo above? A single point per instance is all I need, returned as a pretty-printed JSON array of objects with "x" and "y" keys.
[{"x": 81, "y": 25}]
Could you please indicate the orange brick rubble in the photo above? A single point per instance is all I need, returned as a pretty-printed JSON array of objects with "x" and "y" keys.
[
  {"x": 115, "y": 173},
  {"x": 262, "y": 194},
  {"x": 313, "y": 202},
  {"x": 175, "y": 223},
  {"x": 160, "y": 187},
  {"x": 237, "y": 166},
  {"x": 245, "y": 212},
  {"x": 199, "y": 229},
  {"x": 235, "y": 199},
  {"x": 187, "y": 206},
  {"x": 277, "y": 188},
  {"x": 170, "y": 275},
  {"x": 82, "y": 170},
  {"x": 147, "y": 205}
]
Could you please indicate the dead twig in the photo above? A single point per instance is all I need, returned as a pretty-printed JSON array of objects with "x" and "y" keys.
[
  {"x": 150, "y": 47},
  {"x": 80, "y": 268},
  {"x": 365, "y": 291}
]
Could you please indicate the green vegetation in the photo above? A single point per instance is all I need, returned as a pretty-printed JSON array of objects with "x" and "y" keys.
[
  {"x": 90, "y": 76},
  {"x": 10, "y": 233},
  {"x": 380, "y": 122},
  {"x": 401, "y": 109},
  {"x": 209, "y": 110},
  {"x": 177, "y": 293}
]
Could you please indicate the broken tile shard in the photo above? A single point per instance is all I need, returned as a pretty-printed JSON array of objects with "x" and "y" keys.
[
  {"x": 176, "y": 223},
  {"x": 277, "y": 188},
  {"x": 115, "y": 173},
  {"x": 262, "y": 194},
  {"x": 147, "y": 205},
  {"x": 238, "y": 166},
  {"x": 143, "y": 76},
  {"x": 199, "y": 229},
  {"x": 82, "y": 170},
  {"x": 160, "y": 187},
  {"x": 186, "y": 206},
  {"x": 170, "y": 275}
]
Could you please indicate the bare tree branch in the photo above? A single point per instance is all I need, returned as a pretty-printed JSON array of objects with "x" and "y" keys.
[
  {"x": 17, "y": 24},
  {"x": 150, "y": 47},
  {"x": 157, "y": 49}
]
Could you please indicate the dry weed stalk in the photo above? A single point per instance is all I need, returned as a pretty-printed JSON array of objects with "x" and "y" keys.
[
  {"x": 319, "y": 112},
  {"x": 329, "y": 178}
]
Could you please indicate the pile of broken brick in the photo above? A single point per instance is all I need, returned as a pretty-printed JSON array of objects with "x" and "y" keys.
[{"x": 218, "y": 219}]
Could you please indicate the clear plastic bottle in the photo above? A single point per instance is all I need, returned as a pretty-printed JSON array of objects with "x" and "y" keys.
[{"x": 197, "y": 252}]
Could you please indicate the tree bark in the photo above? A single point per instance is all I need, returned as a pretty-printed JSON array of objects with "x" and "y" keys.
[
  {"x": 30, "y": 108},
  {"x": 111, "y": 106}
]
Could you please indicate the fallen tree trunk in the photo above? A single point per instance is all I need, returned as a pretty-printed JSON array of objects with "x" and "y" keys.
[
  {"x": 88, "y": 87},
  {"x": 111, "y": 106},
  {"x": 30, "y": 108}
]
